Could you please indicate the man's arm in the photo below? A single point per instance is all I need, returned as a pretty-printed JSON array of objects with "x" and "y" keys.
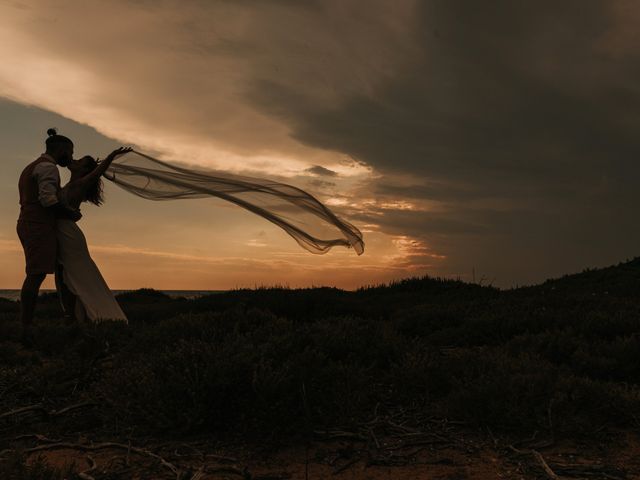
[{"x": 48, "y": 179}]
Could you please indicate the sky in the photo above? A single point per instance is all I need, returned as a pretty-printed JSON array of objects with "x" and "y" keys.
[{"x": 489, "y": 141}]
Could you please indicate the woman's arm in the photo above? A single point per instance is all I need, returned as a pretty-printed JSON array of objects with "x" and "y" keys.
[{"x": 102, "y": 166}]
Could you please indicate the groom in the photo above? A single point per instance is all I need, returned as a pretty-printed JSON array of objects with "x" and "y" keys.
[{"x": 39, "y": 208}]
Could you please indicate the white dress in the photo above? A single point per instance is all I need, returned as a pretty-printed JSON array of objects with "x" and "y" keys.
[{"x": 81, "y": 275}]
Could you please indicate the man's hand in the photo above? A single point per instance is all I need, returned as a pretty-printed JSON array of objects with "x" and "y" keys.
[
  {"x": 62, "y": 212},
  {"x": 75, "y": 215}
]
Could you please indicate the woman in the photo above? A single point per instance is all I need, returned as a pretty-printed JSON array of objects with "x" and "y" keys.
[{"x": 93, "y": 298}]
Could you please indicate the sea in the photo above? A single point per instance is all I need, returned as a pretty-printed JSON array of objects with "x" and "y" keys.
[{"x": 15, "y": 294}]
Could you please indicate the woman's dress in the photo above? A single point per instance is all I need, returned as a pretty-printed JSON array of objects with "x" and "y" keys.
[{"x": 81, "y": 275}]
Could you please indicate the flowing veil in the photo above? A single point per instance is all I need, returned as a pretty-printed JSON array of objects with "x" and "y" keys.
[{"x": 314, "y": 226}]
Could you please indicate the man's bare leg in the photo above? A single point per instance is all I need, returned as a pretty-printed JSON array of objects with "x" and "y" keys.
[{"x": 28, "y": 300}]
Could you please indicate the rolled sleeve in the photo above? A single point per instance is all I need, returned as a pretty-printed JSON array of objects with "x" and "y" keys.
[{"x": 48, "y": 178}]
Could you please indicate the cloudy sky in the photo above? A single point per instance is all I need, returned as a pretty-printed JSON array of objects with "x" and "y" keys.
[{"x": 460, "y": 136}]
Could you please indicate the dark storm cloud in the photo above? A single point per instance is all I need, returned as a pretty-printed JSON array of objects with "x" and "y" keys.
[
  {"x": 320, "y": 184},
  {"x": 405, "y": 222},
  {"x": 534, "y": 104},
  {"x": 321, "y": 171},
  {"x": 516, "y": 87}
]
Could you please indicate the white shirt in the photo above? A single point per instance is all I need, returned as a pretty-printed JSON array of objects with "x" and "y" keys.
[{"x": 48, "y": 178}]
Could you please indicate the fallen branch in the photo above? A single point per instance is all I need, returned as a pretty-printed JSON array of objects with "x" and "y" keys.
[
  {"x": 102, "y": 446},
  {"x": 62, "y": 411},
  {"x": 17, "y": 411},
  {"x": 202, "y": 455},
  {"x": 84, "y": 475},
  {"x": 236, "y": 471},
  {"x": 340, "y": 434},
  {"x": 545, "y": 466},
  {"x": 547, "y": 469},
  {"x": 244, "y": 473},
  {"x": 590, "y": 470},
  {"x": 48, "y": 413},
  {"x": 37, "y": 436},
  {"x": 343, "y": 467},
  {"x": 375, "y": 439}
]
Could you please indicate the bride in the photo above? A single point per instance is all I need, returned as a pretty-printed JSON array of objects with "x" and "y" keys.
[{"x": 91, "y": 298}]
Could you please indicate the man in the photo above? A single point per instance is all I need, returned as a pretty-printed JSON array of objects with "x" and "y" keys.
[{"x": 39, "y": 185}]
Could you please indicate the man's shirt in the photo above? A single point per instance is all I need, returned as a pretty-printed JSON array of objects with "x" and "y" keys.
[{"x": 47, "y": 177}]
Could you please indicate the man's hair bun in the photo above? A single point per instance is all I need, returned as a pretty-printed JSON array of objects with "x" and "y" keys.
[{"x": 54, "y": 139}]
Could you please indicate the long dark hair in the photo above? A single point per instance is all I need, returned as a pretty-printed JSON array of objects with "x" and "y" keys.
[{"x": 94, "y": 193}]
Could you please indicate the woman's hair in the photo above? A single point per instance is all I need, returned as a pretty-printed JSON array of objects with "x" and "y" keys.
[
  {"x": 94, "y": 192},
  {"x": 54, "y": 140}
]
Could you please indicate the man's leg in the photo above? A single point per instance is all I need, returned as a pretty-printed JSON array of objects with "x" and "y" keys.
[
  {"x": 28, "y": 300},
  {"x": 67, "y": 299}
]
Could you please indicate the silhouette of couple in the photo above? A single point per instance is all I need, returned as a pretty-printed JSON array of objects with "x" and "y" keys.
[{"x": 52, "y": 240}]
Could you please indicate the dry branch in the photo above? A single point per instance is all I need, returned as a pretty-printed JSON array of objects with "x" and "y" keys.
[
  {"x": 49, "y": 413},
  {"x": 545, "y": 466},
  {"x": 102, "y": 446},
  {"x": 92, "y": 466}
]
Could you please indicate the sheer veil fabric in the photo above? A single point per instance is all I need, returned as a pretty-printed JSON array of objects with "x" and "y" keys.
[{"x": 314, "y": 226}]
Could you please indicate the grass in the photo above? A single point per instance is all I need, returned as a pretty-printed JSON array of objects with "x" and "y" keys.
[{"x": 562, "y": 357}]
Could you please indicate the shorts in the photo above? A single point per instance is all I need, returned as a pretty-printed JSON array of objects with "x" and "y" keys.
[{"x": 40, "y": 246}]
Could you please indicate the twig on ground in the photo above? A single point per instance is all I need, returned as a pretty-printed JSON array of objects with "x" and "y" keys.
[
  {"x": 340, "y": 434},
  {"x": 244, "y": 473},
  {"x": 590, "y": 470},
  {"x": 18, "y": 411},
  {"x": 92, "y": 466},
  {"x": 37, "y": 436},
  {"x": 550, "y": 473},
  {"x": 547, "y": 469},
  {"x": 493, "y": 438},
  {"x": 49, "y": 413},
  {"x": 402, "y": 427},
  {"x": 102, "y": 446},
  {"x": 202, "y": 455},
  {"x": 70, "y": 408},
  {"x": 375, "y": 439},
  {"x": 343, "y": 467},
  {"x": 198, "y": 474}
]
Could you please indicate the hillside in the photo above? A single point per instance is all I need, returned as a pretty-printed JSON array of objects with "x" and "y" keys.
[{"x": 424, "y": 365}]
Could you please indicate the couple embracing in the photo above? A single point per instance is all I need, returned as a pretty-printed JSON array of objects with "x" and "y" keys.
[{"x": 53, "y": 242}]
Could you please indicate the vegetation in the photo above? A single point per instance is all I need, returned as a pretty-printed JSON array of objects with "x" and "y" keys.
[{"x": 562, "y": 358}]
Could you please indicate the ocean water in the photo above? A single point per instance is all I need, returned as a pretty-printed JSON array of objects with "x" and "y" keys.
[{"x": 15, "y": 294}]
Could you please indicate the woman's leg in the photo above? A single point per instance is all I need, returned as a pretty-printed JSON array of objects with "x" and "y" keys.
[{"x": 67, "y": 298}]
